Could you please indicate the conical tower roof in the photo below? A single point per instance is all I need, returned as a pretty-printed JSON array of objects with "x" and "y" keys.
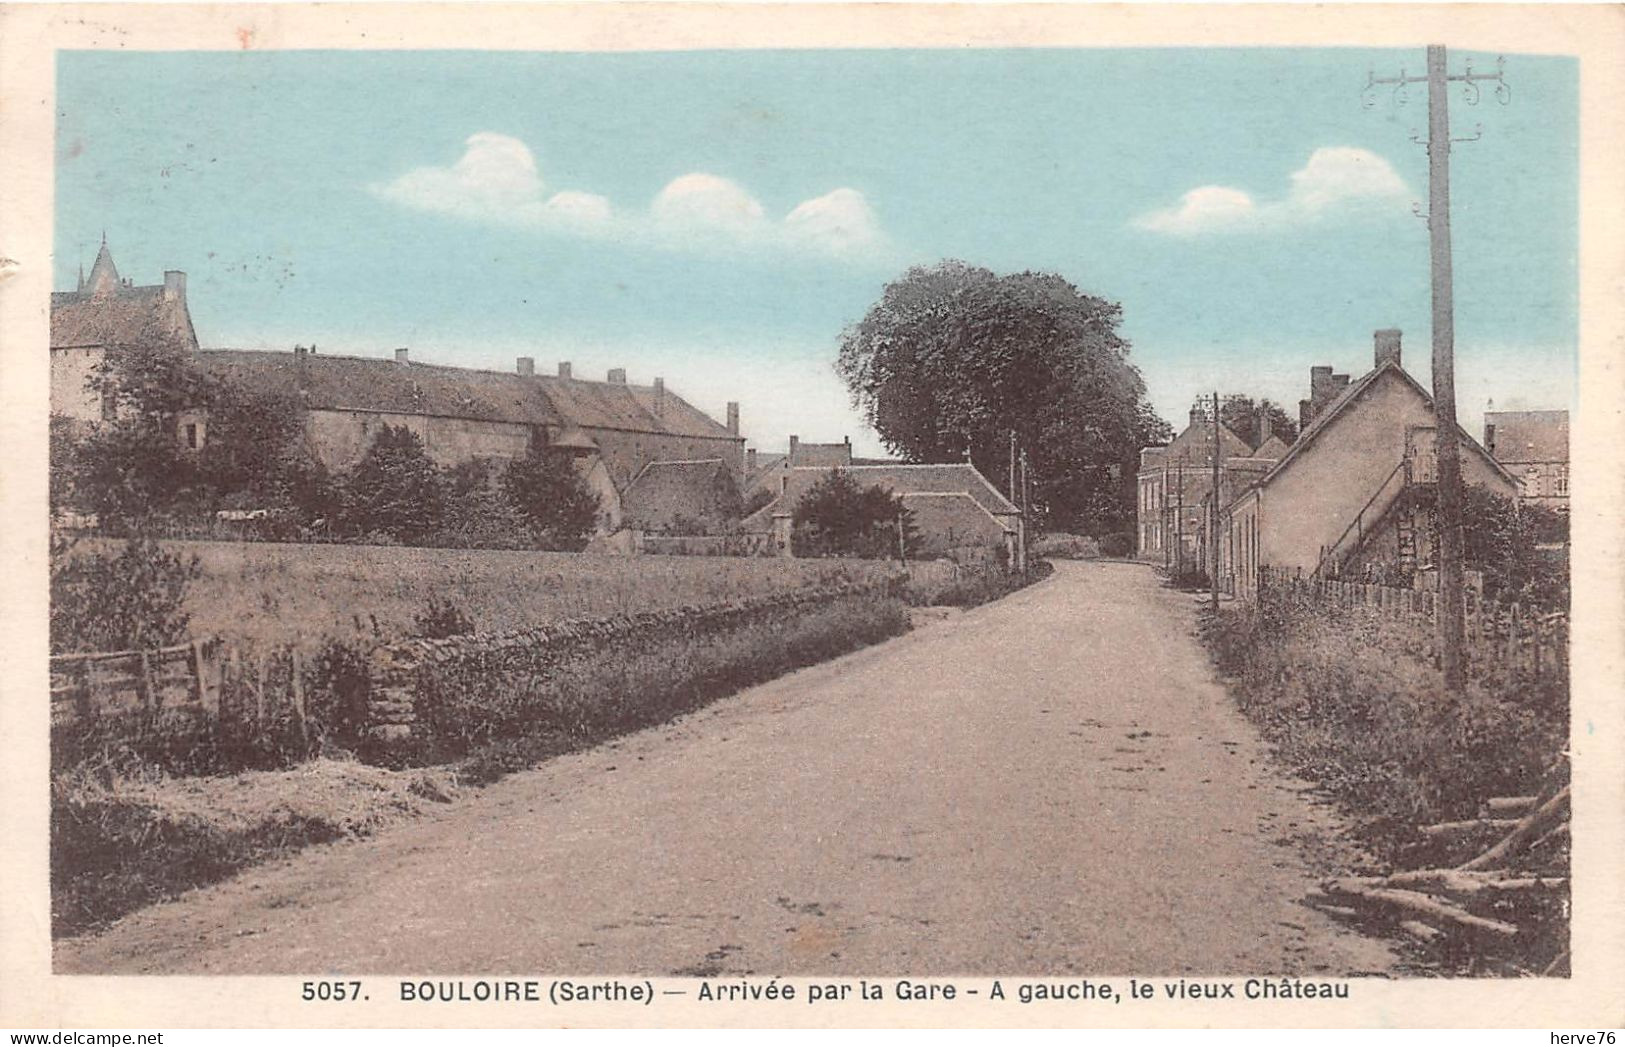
[{"x": 104, "y": 274}]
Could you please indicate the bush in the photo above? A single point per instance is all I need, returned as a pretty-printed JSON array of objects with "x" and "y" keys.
[
  {"x": 395, "y": 488},
  {"x": 836, "y": 517},
  {"x": 118, "y": 602},
  {"x": 1117, "y": 544},
  {"x": 441, "y": 618},
  {"x": 551, "y": 496}
]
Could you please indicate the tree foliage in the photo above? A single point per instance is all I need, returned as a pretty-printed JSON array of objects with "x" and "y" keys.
[
  {"x": 838, "y": 517},
  {"x": 551, "y": 495},
  {"x": 1505, "y": 540},
  {"x": 955, "y": 357},
  {"x": 1240, "y": 415},
  {"x": 128, "y": 600}
]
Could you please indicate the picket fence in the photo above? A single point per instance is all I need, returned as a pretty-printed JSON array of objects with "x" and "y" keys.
[{"x": 1521, "y": 638}]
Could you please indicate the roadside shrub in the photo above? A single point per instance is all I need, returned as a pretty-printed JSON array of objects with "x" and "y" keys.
[
  {"x": 1350, "y": 703},
  {"x": 441, "y": 618},
  {"x": 972, "y": 588},
  {"x": 1062, "y": 546},
  {"x": 837, "y": 517}
]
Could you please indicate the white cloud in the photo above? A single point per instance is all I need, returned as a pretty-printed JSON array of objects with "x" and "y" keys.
[
  {"x": 839, "y": 222},
  {"x": 497, "y": 181},
  {"x": 1335, "y": 179}
]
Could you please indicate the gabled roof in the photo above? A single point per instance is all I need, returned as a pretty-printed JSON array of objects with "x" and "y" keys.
[
  {"x": 1274, "y": 447},
  {"x": 381, "y": 384},
  {"x": 127, "y": 316},
  {"x": 372, "y": 384},
  {"x": 945, "y": 512},
  {"x": 1195, "y": 445},
  {"x": 1530, "y": 436},
  {"x": 1349, "y": 396},
  {"x": 947, "y": 478},
  {"x": 767, "y": 471}
]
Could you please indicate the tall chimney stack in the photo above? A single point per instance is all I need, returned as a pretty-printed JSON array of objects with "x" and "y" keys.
[
  {"x": 1387, "y": 346},
  {"x": 564, "y": 368},
  {"x": 1266, "y": 428},
  {"x": 733, "y": 417},
  {"x": 527, "y": 365},
  {"x": 617, "y": 375},
  {"x": 660, "y": 396},
  {"x": 750, "y": 460},
  {"x": 402, "y": 356},
  {"x": 174, "y": 285},
  {"x": 795, "y": 442}
]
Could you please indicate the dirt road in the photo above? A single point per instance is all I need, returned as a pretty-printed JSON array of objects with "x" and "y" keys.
[{"x": 1053, "y": 783}]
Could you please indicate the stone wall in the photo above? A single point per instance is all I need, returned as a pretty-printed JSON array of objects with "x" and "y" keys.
[{"x": 406, "y": 677}]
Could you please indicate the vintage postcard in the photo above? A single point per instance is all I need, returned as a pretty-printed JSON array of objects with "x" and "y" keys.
[{"x": 630, "y": 514}]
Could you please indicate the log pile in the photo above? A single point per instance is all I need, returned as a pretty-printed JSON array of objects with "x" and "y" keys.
[{"x": 1496, "y": 909}]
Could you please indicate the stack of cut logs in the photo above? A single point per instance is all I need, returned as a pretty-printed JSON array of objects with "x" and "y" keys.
[{"x": 1500, "y": 908}]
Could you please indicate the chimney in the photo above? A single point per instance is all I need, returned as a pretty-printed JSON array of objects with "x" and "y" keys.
[
  {"x": 174, "y": 285},
  {"x": 733, "y": 417},
  {"x": 401, "y": 356},
  {"x": 660, "y": 397},
  {"x": 564, "y": 368},
  {"x": 527, "y": 365},
  {"x": 1489, "y": 437},
  {"x": 1265, "y": 428},
  {"x": 795, "y": 442},
  {"x": 1306, "y": 414},
  {"x": 1387, "y": 346},
  {"x": 1196, "y": 416},
  {"x": 1339, "y": 383},
  {"x": 617, "y": 375},
  {"x": 750, "y": 460}
]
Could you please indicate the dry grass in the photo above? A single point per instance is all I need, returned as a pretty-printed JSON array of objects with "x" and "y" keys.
[
  {"x": 121, "y": 843},
  {"x": 264, "y": 594}
]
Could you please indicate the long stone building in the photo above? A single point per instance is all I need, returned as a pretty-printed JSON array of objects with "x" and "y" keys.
[{"x": 611, "y": 427}]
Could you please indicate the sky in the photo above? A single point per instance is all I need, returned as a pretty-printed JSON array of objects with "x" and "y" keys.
[{"x": 718, "y": 218}]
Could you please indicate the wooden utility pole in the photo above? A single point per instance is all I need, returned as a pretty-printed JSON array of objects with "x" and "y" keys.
[
  {"x": 1452, "y": 609},
  {"x": 1447, "y": 444},
  {"x": 1213, "y": 514},
  {"x": 1026, "y": 508}
]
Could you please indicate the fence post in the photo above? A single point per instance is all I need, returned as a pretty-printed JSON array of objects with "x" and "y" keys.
[
  {"x": 297, "y": 688},
  {"x": 143, "y": 683}
]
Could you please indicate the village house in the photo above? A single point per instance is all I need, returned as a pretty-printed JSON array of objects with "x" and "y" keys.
[
  {"x": 956, "y": 511},
  {"x": 763, "y": 472},
  {"x": 1175, "y": 478},
  {"x": 1354, "y": 493},
  {"x": 683, "y": 498},
  {"x": 1534, "y": 447},
  {"x": 612, "y": 429}
]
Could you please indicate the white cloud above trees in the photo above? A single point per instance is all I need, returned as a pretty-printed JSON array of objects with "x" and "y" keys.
[
  {"x": 497, "y": 181},
  {"x": 1336, "y": 180}
]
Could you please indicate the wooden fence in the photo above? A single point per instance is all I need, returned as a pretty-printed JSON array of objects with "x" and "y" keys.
[
  {"x": 204, "y": 679},
  {"x": 1521, "y": 638}
]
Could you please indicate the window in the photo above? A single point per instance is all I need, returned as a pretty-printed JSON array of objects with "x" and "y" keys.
[
  {"x": 191, "y": 436},
  {"x": 1561, "y": 476}
]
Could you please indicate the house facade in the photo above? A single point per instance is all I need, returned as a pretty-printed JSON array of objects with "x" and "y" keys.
[
  {"x": 1534, "y": 447},
  {"x": 1174, "y": 481},
  {"x": 1355, "y": 493},
  {"x": 611, "y": 428},
  {"x": 103, "y": 312}
]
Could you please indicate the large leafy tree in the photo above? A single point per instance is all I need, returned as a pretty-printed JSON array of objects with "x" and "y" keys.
[
  {"x": 1240, "y": 416},
  {"x": 953, "y": 358},
  {"x": 551, "y": 495}
]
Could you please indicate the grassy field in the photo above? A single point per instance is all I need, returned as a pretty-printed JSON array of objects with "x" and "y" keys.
[{"x": 261, "y": 593}]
